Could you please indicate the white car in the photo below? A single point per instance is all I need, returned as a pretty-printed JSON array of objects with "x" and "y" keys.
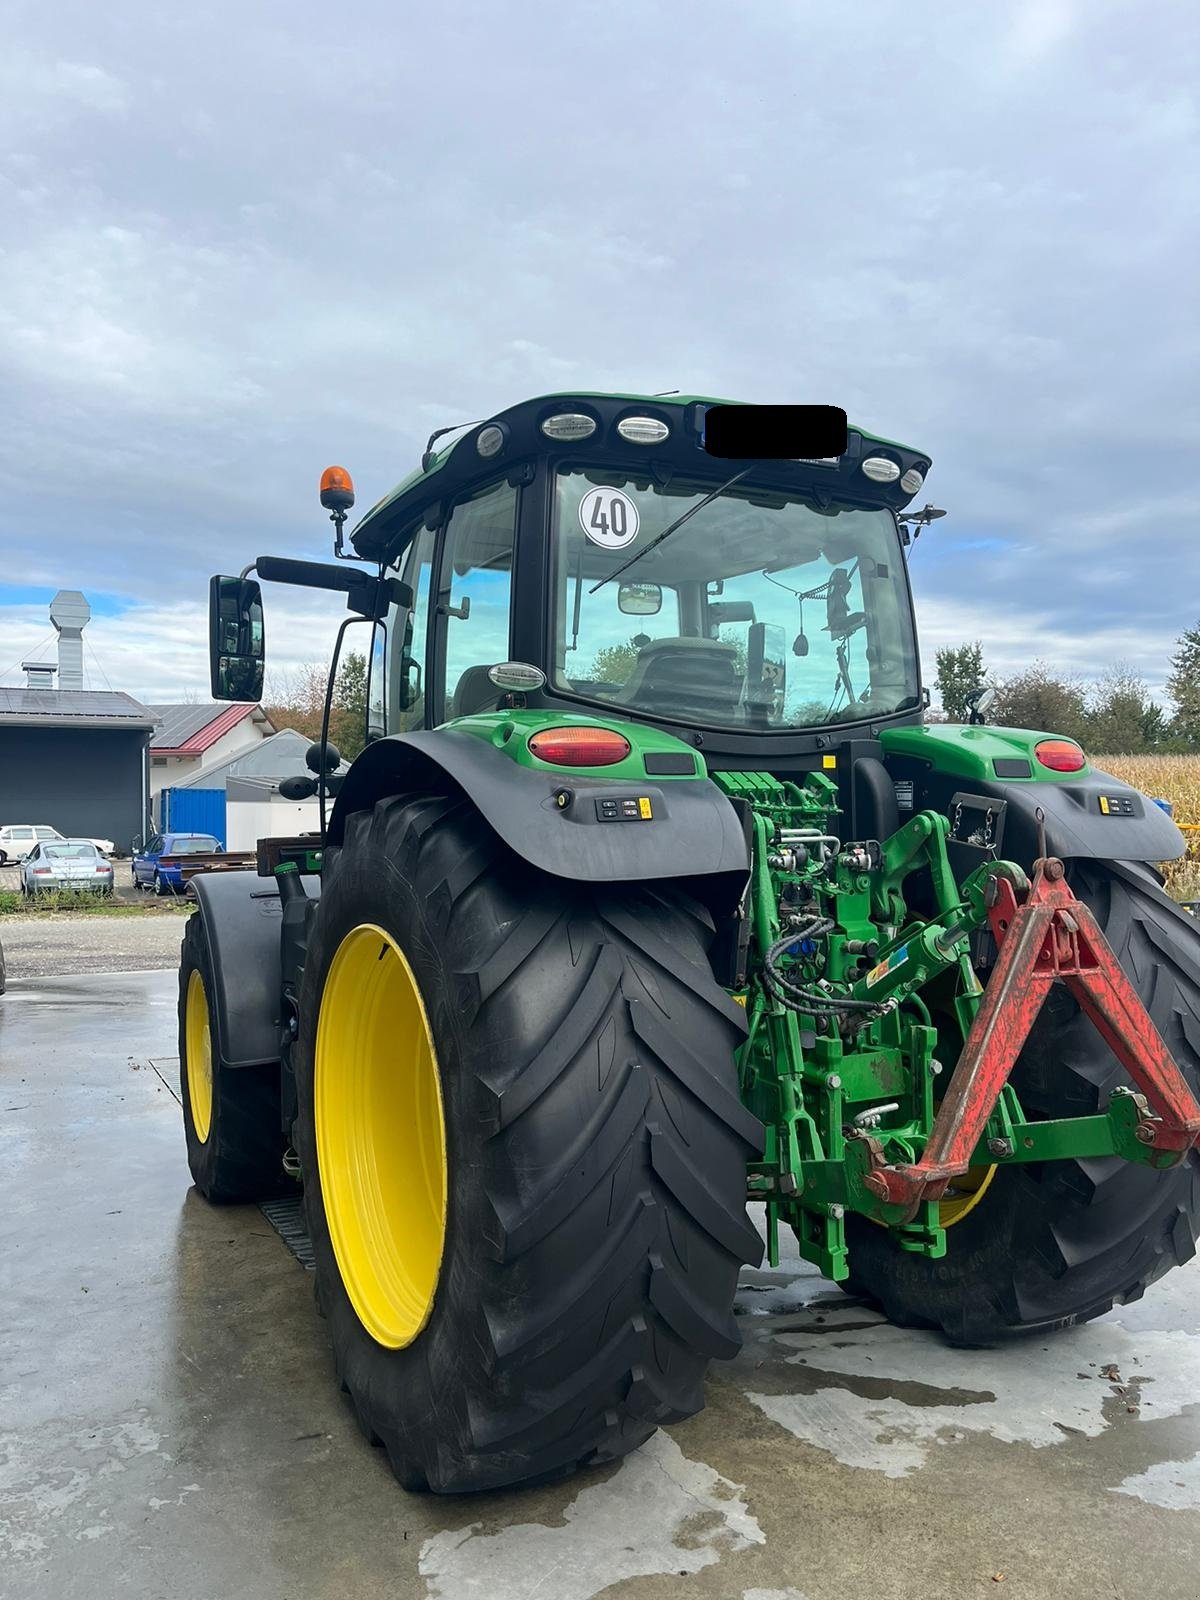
[{"x": 17, "y": 839}]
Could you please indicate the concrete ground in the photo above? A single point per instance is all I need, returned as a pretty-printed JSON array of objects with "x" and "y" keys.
[
  {"x": 170, "y": 1426},
  {"x": 73, "y": 942},
  {"x": 38, "y": 946}
]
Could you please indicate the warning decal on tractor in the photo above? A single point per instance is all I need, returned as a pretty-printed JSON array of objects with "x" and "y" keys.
[
  {"x": 896, "y": 959},
  {"x": 609, "y": 518}
]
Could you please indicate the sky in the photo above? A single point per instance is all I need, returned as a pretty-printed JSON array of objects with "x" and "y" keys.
[{"x": 241, "y": 241}]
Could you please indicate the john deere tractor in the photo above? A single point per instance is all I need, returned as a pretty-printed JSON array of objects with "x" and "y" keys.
[{"x": 650, "y": 894}]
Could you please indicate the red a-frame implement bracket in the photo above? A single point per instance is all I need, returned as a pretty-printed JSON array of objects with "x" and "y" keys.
[{"x": 1047, "y": 937}]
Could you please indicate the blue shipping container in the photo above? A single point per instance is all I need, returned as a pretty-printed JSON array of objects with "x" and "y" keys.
[{"x": 194, "y": 811}]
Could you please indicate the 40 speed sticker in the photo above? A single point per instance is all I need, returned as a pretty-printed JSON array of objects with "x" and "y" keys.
[{"x": 608, "y": 518}]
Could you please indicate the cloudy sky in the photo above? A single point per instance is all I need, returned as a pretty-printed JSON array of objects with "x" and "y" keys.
[{"x": 240, "y": 241}]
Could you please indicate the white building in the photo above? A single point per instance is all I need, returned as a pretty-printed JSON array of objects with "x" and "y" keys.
[
  {"x": 254, "y": 808},
  {"x": 190, "y": 737}
]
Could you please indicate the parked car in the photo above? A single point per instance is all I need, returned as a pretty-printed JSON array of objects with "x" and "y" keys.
[
  {"x": 66, "y": 864},
  {"x": 149, "y": 872},
  {"x": 18, "y": 839}
]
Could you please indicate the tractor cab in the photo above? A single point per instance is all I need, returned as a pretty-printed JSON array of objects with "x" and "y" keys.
[{"x": 596, "y": 539}]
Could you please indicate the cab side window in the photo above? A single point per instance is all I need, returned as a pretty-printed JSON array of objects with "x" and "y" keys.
[
  {"x": 406, "y": 699},
  {"x": 377, "y": 683},
  {"x": 474, "y": 600}
]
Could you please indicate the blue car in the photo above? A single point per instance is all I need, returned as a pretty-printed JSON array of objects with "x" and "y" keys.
[{"x": 149, "y": 870}]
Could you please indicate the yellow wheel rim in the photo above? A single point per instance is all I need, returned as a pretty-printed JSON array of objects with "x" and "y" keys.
[
  {"x": 198, "y": 1043},
  {"x": 381, "y": 1136},
  {"x": 964, "y": 1194}
]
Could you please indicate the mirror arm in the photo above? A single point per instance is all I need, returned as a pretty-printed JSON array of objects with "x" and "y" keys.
[{"x": 368, "y": 595}]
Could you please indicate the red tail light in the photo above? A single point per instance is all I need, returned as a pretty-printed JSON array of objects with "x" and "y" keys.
[
  {"x": 101, "y": 869},
  {"x": 579, "y": 747},
  {"x": 1060, "y": 755}
]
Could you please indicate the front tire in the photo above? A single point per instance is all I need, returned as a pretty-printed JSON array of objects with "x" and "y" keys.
[
  {"x": 1059, "y": 1243},
  {"x": 231, "y": 1115},
  {"x": 594, "y": 1150}
]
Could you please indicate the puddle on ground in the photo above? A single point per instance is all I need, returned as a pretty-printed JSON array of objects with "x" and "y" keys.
[
  {"x": 56, "y": 1477},
  {"x": 879, "y": 1397},
  {"x": 659, "y": 1513},
  {"x": 1172, "y": 1485}
]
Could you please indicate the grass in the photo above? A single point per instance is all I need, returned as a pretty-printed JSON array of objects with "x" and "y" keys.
[
  {"x": 86, "y": 902},
  {"x": 1173, "y": 778}
]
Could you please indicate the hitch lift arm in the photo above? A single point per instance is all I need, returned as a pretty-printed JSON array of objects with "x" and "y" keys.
[{"x": 1045, "y": 935}]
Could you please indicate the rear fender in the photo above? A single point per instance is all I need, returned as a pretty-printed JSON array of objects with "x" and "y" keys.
[
  {"x": 243, "y": 919},
  {"x": 692, "y": 834},
  {"x": 934, "y": 767}
]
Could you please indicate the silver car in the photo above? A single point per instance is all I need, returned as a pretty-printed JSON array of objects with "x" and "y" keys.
[
  {"x": 66, "y": 864},
  {"x": 17, "y": 839}
]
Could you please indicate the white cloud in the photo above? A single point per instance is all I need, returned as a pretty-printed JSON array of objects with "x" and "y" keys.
[
  {"x": 1040, "y": 27},
  {"x": 220, "y": 270}
]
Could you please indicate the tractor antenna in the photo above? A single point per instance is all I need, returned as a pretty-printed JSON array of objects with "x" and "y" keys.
[
  {"x": 427, "y": 453},
  {"x": 916, "y": 520}
]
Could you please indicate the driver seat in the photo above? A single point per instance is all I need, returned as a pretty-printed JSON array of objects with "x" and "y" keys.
[
  {"x": 474, "y": 692},
  {"x": 685, "y": 676}
]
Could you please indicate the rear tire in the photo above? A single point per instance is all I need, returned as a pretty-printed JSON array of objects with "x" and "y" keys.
[
  {"x": 236, "y": 1153},
  {"x": 595, "y": 1149},
  {"x": 1056, "y": 1244}
]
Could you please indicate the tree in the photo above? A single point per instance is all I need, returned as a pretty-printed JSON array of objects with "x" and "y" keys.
[
  {"x": 613, "y": 663},
  {"x": 958, "y": 672},
  {"x": 1036, "y": 699},
  {"x": 1184, "y": 687},
  {"x": 350, "y": 699},
  {"x": 297, "y": 700},
  {"x": 1117, "y": 717},
  {"x": 1156, "y": 727}
]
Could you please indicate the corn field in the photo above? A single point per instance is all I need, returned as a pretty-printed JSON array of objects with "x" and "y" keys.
[{"x": 1173, "y": 778}]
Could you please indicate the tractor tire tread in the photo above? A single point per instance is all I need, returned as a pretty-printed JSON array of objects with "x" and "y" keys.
[
  {"x": 597, "y": 1223},
  {"x": 241, "y": 1160}
]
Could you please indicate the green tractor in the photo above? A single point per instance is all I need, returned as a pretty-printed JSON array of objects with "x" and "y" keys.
[{"x": 652, "y": 893}]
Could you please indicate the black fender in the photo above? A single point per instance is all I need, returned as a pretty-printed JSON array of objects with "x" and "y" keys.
[
  {"x": 243, "y": 920},
  {"x": 692, "y": 833},
  {"x": 1078, "y": 826}
]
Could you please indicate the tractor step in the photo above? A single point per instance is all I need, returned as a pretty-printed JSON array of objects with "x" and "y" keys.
[{"x": 287, "y": 1218}]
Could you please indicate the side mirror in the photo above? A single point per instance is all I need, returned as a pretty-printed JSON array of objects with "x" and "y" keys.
[
  {"x": 766, "y": 666},
  {"x": 978, "y": 702},
  {"x": 237, "y": 645},
  {"x": 639, "y": 599}
]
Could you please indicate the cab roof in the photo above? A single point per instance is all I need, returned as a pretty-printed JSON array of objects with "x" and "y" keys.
[{"x": 448, "y": 471}]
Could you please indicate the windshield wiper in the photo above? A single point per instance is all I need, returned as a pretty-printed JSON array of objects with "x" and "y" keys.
[{"x": 668, "y": 531}]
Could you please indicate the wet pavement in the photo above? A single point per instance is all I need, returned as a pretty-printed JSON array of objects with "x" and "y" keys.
[{"x": 170, "y": 1425}]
